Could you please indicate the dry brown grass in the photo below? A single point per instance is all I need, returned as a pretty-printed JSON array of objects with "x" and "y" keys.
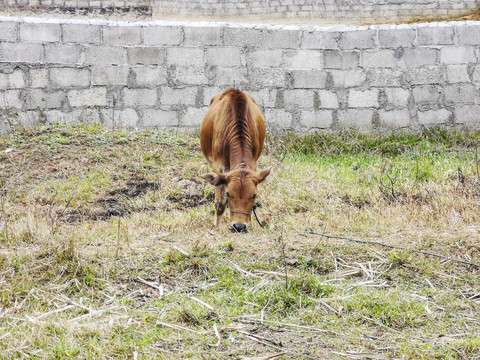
[{"x": 88, "y": 213}]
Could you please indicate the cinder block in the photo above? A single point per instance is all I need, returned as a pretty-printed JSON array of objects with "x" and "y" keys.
[
  {"x": 298, "y": 98},
  {"x": 426, "y": 75},
  {"x": 181, "y": 75},
  {"x": 328, "y": 99},
  {"x": 94, "y": 96},
  {"x": 434, "y": 117},
  {"x": 72, "y": 3},
  {"x": 40, "y": 99},
  {"x": 467, "y": 114},
  {"x": 458, "y": 55},
  {"x": 184, "y": 96},
  {"x": 162, "y": 35},
  {"x": 429, "y": 94},
  {"x": 13, "y": 80},
  {"x": 203, "y": 35},
  {"x": 303, "y": 59},
  {"x": 265, "y": 58},
  {"x": 69, "y": 77},
  {"x": 150, "y": 76},
  {"x": 209, "y": 92},
  {"x": 261, "y": 77},
  {"x": 461, "y": 94},
  {"x": 335, "y": 59},
  {"x": 418, "y": 57},
  {"x": 435, "y": 35},
  {"x": 357, "y": 39},
  {"x": 193, "y": 117},
  {"x": 397, "y": 97},
  {"x": 394, "y": 119},
  {"x": 363, "y": 99},
  {"x": 118, "y": 117},
  {"x": 379, "y": 58},
  {"x": 21, "y": 52},
  {"x": 81, "y": 33},
  {"x": 322, "y": 119},
  {"x": 63, "y": 54},
  {"x": 139, "y": 97},
  {"x": 160, "y": 119},
  {"x": 105, "y": 55},
  {"x": 122, "y": 35},
  {"x": 91, "y": 115},
  {"x": 185, "y": 56},
  {"x": 11, "y": 99},
  {"x": 468, "y": 33},
  {"x": 37, "y": 32},
  {"x": 75, "y": 116},
  {"x": 319, "y": 39},
  {"x": 360, "y": 119},
  {"x": 110, "y": 75},
  {"x": 348, "y": 78},
  {"x": 39, "y": 78},
  {"x": 380, "y": 77},
  {"x": 225, "y": 56},
  {"x": 146, "y": 55},
  {"x": 459, "y": 74},
  {"x": 281, "y": 38},
  {"x": 25, "y": 119},
  {"x": 8, "y": 31},
  {"x": 231, "y": 77},
  {"x": 277, "y": 119},
  {"x": 239, "y": 36},
  {"x": 265, "y": 98},
  {"x": 128, "y": 118},
  {"x": 396, "y": 38},
  {"x": 309, "y": 79}
]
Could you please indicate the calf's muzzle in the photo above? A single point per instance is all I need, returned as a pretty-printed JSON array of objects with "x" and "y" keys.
[{"x": 239, "y": 228}]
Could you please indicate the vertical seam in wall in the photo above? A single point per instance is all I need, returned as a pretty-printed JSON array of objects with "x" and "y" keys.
[
  {"x": 456, "y": 41},
  {"x": 182, "y": 35},
  {"x": 415, "y": 37}
]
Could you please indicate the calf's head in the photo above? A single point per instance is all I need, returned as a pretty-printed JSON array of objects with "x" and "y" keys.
[{"x": 240, "y": 193}]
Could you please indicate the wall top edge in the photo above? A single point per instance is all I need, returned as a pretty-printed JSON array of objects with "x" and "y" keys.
[{"x": 309, "y": 28}]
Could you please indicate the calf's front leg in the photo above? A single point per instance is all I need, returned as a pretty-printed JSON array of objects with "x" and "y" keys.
[{"x": 220, "y": 204}]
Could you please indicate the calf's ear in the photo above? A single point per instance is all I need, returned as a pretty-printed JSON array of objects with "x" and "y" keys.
[
  {"x": 263, "y": 174},
  {"x": 214, "y": 178}
]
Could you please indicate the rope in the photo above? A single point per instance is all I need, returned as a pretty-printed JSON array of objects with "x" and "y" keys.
[{"x": 257, "y": 205}]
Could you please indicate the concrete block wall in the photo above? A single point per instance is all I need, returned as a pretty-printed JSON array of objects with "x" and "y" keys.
[
  {"x": 311, "y": 11},
  {"x": 163, "y": 74},
  {"x": 332, "y": 11},
  {"x": 104, "y": 7}
]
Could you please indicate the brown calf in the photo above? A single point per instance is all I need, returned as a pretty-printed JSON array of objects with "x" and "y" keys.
[{"x": 231, "y": 137}]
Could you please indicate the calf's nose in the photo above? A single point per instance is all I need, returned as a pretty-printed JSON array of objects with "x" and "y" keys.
[{"x": 241, "y": 228}]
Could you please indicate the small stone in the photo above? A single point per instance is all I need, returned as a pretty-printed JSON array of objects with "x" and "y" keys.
[{"x": 190, "y": 187}]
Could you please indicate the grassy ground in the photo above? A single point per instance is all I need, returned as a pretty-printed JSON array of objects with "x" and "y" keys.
[{"x": 103, "y": 255}]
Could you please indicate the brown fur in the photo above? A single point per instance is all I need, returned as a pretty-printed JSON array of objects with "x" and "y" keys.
[{"x": 231, "y": 137}]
